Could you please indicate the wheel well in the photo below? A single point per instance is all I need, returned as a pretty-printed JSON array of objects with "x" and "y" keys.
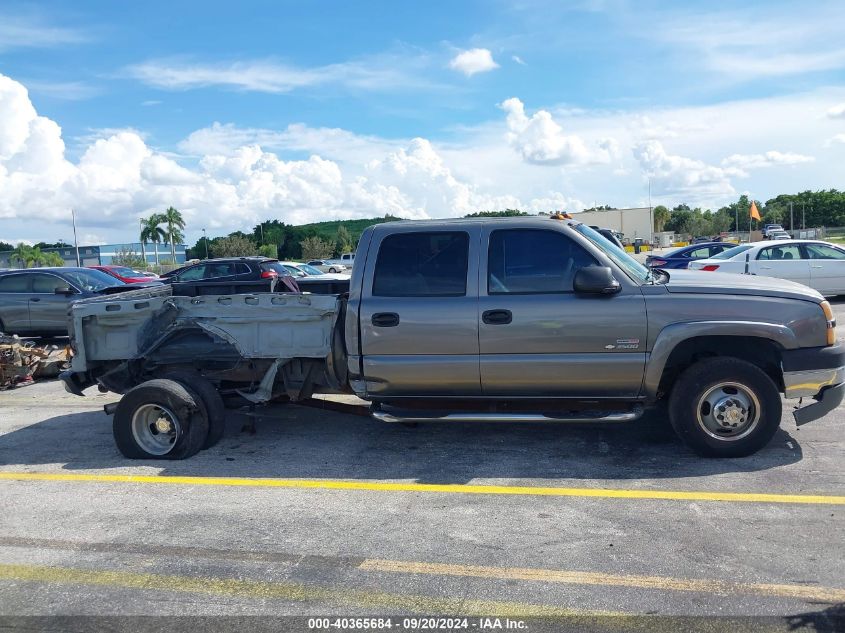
[{"x": 762, "y": 352}]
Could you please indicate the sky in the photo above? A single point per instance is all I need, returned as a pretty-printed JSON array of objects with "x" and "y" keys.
[{"x": 307, "y": 111}]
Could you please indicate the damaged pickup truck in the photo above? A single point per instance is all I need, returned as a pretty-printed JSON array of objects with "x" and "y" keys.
[{"x": 517, "y": 319}]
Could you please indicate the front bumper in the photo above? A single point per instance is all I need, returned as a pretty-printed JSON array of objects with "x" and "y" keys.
[{"x": 817, "y": 373}]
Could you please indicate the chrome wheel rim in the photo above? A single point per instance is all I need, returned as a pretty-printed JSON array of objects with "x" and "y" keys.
[
  {"x": 155, "y": 428},
  {"x": 728, "y": 411}
]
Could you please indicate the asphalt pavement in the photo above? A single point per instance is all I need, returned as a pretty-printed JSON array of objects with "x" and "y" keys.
[{"x": 319, "y": 512}]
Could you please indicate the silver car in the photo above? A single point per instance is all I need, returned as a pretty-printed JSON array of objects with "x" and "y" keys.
[
  {"x": 327, "y": 266},
  {"x": 35, "y": 301}
]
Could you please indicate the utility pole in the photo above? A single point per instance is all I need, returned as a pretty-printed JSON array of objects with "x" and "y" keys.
[
  {"x": 75, "y": 241},
  {"x": 205, "y": 239},
  {"x": 650, "y": 213},
  {"x": 803, "y": 217},
  {"x": 736, "y": 223},
  {"x": 141, "y": 237},
  {"x": 791, "y": 227}
]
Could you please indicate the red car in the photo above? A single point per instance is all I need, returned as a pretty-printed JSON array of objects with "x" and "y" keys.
[{"x": 126, "y": 275}]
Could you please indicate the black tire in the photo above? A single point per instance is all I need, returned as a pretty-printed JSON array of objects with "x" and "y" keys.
[
  {"x": 690, "y": 407},
  {"x": 202, "y": 388},
  {"x": 189, "y": 413},
  {"x": 332, "y": 270}
]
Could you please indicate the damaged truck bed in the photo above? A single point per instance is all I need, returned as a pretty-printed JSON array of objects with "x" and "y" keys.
[{"x": 258, "y": 346}]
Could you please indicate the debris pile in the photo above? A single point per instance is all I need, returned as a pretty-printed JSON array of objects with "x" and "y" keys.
[{"x": 22, "y": 361}]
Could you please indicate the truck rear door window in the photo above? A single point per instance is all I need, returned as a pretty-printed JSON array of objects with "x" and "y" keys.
[
  {"x": 422, "y": 265},
  {"x": 532, "y": 261}
]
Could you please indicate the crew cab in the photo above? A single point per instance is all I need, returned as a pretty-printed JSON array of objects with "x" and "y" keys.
[{"x": 490, "y": 319}]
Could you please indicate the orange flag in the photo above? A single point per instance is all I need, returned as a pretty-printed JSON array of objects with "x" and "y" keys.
[{"x": 753, "y": 212}]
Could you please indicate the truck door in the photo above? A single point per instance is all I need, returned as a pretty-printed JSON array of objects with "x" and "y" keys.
[
  {"x": 538, "y": 337},
  {"x": 418, "y": 317}
]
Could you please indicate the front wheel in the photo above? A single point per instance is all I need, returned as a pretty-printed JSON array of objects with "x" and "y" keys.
[
  {"x": 725, "y": 407},
  {"x": 332, "y": 270}
]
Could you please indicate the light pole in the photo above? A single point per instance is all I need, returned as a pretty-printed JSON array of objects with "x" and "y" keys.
[
  {"x": 205, "y": 239},
  {"x": 75, "y": 241},
  {"x": 141, "y": 238}
]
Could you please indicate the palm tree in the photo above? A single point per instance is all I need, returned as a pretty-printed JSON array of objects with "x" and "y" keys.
[
  {"x": 152, "y": 232},
  {"x": 24, "y": 255},
  {"x": 175, "y": 222}
]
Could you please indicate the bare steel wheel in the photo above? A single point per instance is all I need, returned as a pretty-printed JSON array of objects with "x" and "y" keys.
[
  {"x": 728, "y": 411},
  {"x": 155, "y": 428},
  {"x": 159, "y": 419},
  {"x": 725, "y": 407}
]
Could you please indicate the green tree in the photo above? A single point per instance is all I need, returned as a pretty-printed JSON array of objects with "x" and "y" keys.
[
  {"x": 175, "y": 225},
  {"x": 342, "y": 241},
  {"x": 5, "y": 246},
  {"x": 233, "y": 246},
  {"x": 23, "y": 255},
  {"x": 268, "y": 250},
  {"x": 315, "y": 248},
  {"x": 52, "y": 259},
  {"x": 129, "y": 258},
  {"x": 151, "y": 231},
  {"x": 661, "y": 215},
  {"x": 507, "y": 213}
]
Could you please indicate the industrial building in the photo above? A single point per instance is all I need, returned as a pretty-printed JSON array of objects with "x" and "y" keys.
[
  {"x": 104, "y": 254},
  {"x": 632, "y": 223}
]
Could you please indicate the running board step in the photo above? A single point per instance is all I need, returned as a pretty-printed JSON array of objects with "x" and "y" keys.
[{"x": 391, "y": 414}]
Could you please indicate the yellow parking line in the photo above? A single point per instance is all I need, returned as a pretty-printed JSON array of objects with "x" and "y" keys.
[
  {"x": 295, "y": 592},
  {"x": 328, "y": 484},
  {"x": 802, "y": 592}
]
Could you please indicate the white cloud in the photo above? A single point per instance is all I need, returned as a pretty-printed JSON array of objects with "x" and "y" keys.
[
  {"x": 542, "y": 141},
  {"x": 17, "y": 31},
  {"x": 63, "y": 90},
  {"x": 475, "y": 60},
  {"x": 837, "y": 111},
  {"x": 687, "y": 177},
  {"x": 518, "y": 60},
  {"x": 378, "y": 73},
  {"x": 835, "y": 139},
  {"x": 767, "y": 159}
]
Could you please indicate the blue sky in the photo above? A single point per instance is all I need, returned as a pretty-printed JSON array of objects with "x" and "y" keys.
[{"x": 308, "y": 110}]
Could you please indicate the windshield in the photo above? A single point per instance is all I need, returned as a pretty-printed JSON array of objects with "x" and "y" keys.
[
  {"x": 309, "y": 270},
  {"x": 731, "y": 252},
  {"x": 294, "y": 271},
  {"x": 630, "y": 265},
  {"x": 123, "y": 271},
  {"x": 91, "y": 280}
]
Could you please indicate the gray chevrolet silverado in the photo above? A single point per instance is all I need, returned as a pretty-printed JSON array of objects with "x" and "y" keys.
[{"x": 532, "y": 319}]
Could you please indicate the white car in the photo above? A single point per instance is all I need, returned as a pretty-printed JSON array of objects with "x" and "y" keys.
[
  {"x": 327, "y": 265},
  {"x": 820, "y": 265},
  {"x": 298, "y": 270}
]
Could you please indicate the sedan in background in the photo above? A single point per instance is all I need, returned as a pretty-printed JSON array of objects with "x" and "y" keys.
[
  {"x": 125, "y": 274},
  {"x": 326, "y": 266},
  {"x": 35, "y": 301},
  {"x": 681, "y": 257},
  {"x": 819, "y": 265}
]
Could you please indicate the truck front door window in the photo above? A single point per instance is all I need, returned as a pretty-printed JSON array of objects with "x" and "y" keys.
[{"x": 529, "y": 261}]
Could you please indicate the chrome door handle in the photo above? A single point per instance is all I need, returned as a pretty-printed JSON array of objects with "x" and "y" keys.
[
  {"x": 816, "y": 266},
  {"x": 766, "y": 267}
]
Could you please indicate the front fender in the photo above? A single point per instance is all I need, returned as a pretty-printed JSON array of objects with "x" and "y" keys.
[{"x": 672, "y": 335}]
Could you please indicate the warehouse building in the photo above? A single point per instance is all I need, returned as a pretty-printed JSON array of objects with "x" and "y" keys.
[{"x": 632, "y": 223}]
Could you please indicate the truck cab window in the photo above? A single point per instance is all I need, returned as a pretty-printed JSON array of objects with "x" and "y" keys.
[
  {"x": 422, "y": 265},
  {"x": 531, "y": 261}
]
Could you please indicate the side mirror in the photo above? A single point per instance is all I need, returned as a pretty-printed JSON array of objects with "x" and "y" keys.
[
  {"x": 64, "y": 290},
  {"x": 596, "y": 280}
]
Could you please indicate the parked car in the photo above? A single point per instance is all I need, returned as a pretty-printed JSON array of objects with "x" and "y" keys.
[
  {"x": 610, "y": 235},
  {"x": 231, "y": 275},
  {"x": 487, "y": 319},
  {"x": 778, "y": 235},
  {"x": 346, "y": 259},
  {"x": 327, "y": 265},
  {"x": 311, "y": 279},
  {"x": 820, "y": 265},
  {"x": 681, "y": 257},
  {"x": 35, "y": 301},
  {"x": 125, "y": 274},
  {"x": 769, "y": 228}
]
